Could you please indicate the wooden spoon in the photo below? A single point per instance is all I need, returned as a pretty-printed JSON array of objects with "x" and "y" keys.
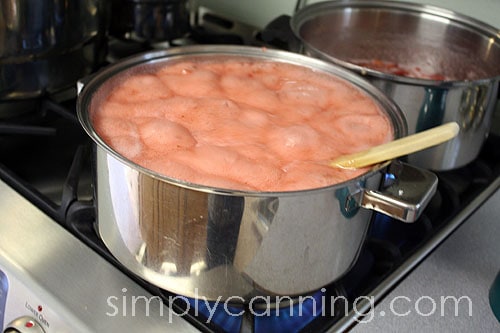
[{"x": 398, "y": 148}]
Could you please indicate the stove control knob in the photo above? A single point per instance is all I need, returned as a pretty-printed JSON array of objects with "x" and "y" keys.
[{"x": 24, "y": 324}]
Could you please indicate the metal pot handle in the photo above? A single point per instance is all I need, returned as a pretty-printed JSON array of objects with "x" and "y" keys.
[
  {"x": 299, "y": 5},
  {"x": 405, "y": 194},
  {"x": 81, "y": 83}
]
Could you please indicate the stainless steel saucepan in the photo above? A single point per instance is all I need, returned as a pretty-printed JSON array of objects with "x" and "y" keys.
[{"x": 201, "y": 241}]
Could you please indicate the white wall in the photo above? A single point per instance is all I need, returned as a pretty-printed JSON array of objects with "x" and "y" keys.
[{"x": 261, "y": 12}]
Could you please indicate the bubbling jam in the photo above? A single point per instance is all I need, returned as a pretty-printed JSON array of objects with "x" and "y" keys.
[{"x": 241, "y": 124}]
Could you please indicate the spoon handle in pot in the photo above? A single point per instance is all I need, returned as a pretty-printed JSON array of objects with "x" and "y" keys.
[{"x": 399, "y": 147}]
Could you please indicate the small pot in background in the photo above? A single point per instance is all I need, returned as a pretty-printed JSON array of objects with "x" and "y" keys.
[{"x": 149, "y": 21}]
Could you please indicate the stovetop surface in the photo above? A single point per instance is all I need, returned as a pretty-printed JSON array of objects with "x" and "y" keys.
[{"x": 461, "y": 269}]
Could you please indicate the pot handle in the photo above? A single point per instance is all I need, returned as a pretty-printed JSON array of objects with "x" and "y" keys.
[
  {"x": 81, "y": 83},
  {"x": 405, "y": 194},
  {"x": 299, "y": 5}
]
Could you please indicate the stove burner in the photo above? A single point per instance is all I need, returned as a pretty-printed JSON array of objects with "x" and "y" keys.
[
  {"x": 31, "y": 118},
  {"x": 12, "y": 109},
  {"x": 274, "y": 314},
  {"x": 41, "y": 157}
]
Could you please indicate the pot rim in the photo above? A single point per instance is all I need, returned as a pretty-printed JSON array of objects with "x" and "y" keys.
[
  {"x": 308, "y": 12},
  {"x": 90, "y": 87}
]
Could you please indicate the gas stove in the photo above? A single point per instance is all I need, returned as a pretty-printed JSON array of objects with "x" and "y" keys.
[{"x": 57, "y": 275}]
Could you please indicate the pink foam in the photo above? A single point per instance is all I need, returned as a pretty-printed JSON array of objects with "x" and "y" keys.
[{"x": 241, "y": 124}]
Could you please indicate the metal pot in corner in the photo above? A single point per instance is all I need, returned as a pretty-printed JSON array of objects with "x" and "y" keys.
[
  {"x": 149, "y": 21},
  {"x": 47, "y": 45},
  {"x": 464, "y": 50}
]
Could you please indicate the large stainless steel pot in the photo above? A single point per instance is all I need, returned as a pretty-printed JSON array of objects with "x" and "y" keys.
[
  {"x": 47, "y": 45},
  {"x": 462, "y": 48},
  {"x": 208, "y": 242}
]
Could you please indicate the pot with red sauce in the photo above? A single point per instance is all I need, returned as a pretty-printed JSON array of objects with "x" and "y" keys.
[{"x": 436, "y": 64}]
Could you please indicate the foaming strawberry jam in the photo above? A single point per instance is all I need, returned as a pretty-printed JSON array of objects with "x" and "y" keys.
[{"x": 241, "y": 124}]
